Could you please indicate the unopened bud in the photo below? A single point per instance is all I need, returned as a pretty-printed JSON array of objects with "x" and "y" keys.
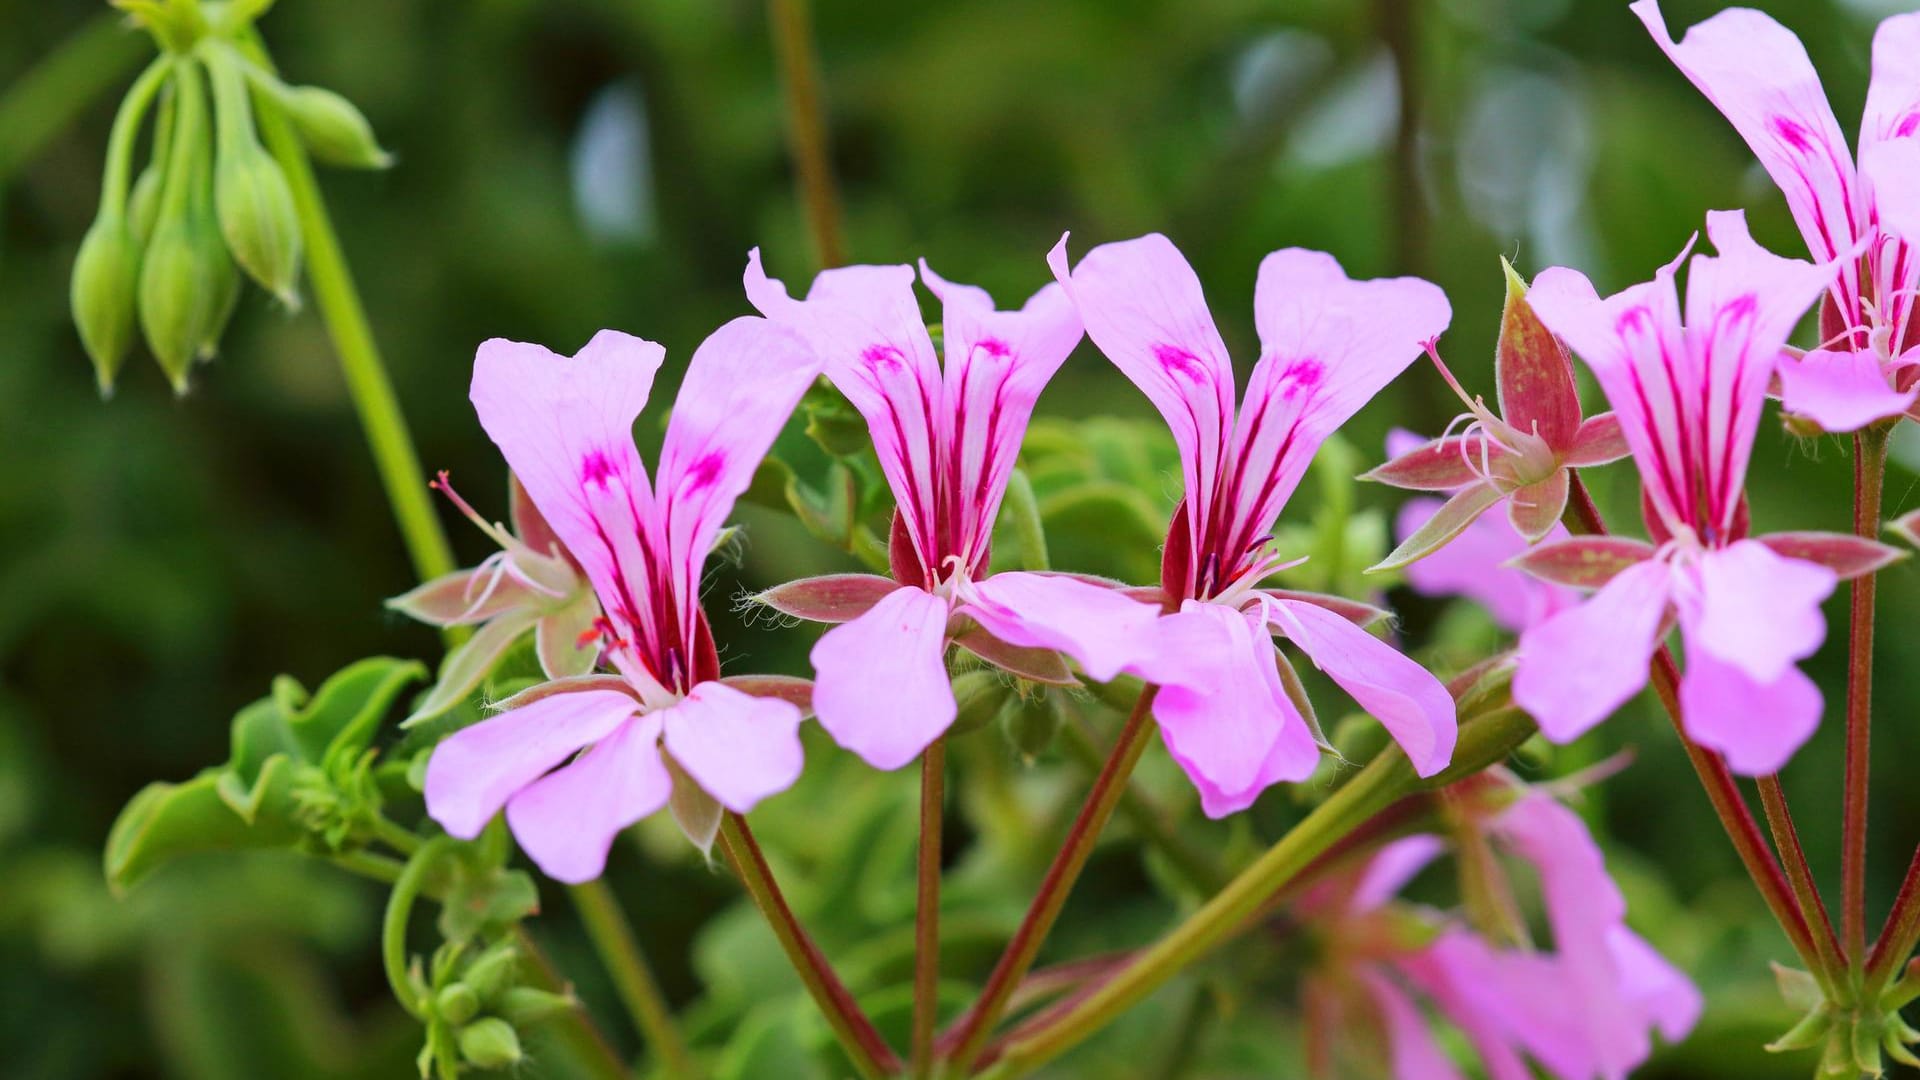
[
  {"x": 530, "y": 1005},
  {"x": 493, "y": 970},
  {"x": 106, "y": 272},
  {"x": 184, "y": 282},
  {"x": 457, "y": 1003},
  {"x": 979, "y": 695},
  {"x": 335, "y": 131},
  {"x": 489, "y": 1044},
  {"x": 1030, "y": 723},
  {"x": 257, "y": 218}
]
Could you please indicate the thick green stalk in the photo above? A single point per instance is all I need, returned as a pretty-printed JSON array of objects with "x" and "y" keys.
[
  {"x": 47, "y": 98},
  {"x": 1386, "y": 779},
  {"x": 393, "y": 927},
  {"x": 366, "y": 375},
  {"x": 639, "y": 991},
  {"x": 971, "y": 1031},
  {"x": 926, "y": 908}
]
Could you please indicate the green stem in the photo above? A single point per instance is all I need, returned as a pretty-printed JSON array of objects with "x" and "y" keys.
[
  {"x": 926, "y": 910},
  {"x": 1899, "y": 935},
  {"x": 1383, "y": 781},
  {"x": 41, "y": 103},
  {"x": 1869, "y": 476},
  {"x": 792, "y": 26},
  {"x": 393, "y": 929},
  {"x": 360, "y": 363},
  {"x": 971, "y": 1031},
  {"x": 1786, "y": 838},
  {"x": 613, "y": 939},
  {"x": 126, "y": 128},
  {"x": 870, "y": 1054}
]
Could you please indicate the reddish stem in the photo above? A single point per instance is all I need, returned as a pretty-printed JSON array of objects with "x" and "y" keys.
[
  {"x": 1773, "y": 798},
  {"x": 1869, "y": 474},
  {"x": 1899, "y": 936},
  {"x": 969, "y": 1033}
]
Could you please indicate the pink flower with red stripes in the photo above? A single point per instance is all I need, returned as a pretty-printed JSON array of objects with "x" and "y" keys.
[
  {"x": 565, "y": 426},
  {"x": 1864, "y": 218}
]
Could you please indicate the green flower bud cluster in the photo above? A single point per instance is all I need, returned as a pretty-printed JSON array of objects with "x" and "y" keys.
[
  {"x": 166, "y": 250},
  {"x": 474, "y": 1008}
]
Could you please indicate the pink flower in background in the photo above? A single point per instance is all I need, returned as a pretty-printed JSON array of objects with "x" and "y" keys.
[
  {"x": 947, "y": 442},
  {"x": 1474, "y": 564},
  {"x": 1328, "y": 344},
  {"x": 1584, "y": 1009},
  {"x": 1867, "y": 219},
  {"x": 1689, "y": 394},
  {"x": 565, "y": 426}
]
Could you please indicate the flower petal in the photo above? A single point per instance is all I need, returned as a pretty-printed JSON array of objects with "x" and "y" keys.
[
  {"x": 463, "y": 597},
  {"x": 1533, "y": 371},
  {"x": 1407, "y": 700},
  {"x": 997, "y": 362},
  {"x": 1142, "y": 305},
  {"x": 1582, "y": 562},
  {"x": 1893, "y": 95},
  {"x": 558, "y": 639},
  {"x": 1328, "y": 344},
  {"x": 1447, "y": 464},
  {"x": 1412, "y": 1051},
  {"x": 1847, "y": 555},
  {"x": 1598, "y": 442},
  {"x": 474, "y": 771},
  {"x": 1578, "y": 666},
  {"x": 1892, "y": 168},
  {"x": 1475, "y": 565},
  {"x": 1757, "y": 725},
  {"x": 1750, "y": 606},
  {"x": 1100, "y": 628},
  {"x": 739, "y": 748},
  {"x": 1840, "y": 391},
  {"x": 741, "y": 385},
  {"x": 566, "y": 821},
  {"x": 1534, "y": 510},
  {"x": 864, "y": 324},
  {"x": 1223, "y": 712},
  {"x": 1666, "y": 998},
  {"x": 565, "y": 426},
  {"x": 880, "y": 682}
]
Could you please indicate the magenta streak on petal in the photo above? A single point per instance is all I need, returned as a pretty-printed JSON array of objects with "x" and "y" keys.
[
  {"x": 1737, "y": 316},
  {"x": 1636, "y": 319},
  {"x": 975, "y": 544},
  {"x": 1302, "y": 375}
]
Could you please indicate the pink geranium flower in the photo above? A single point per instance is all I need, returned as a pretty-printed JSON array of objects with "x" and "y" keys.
[
  {"x": 1689, "y": 394},
  {"x": 1328, "y": 344},
  {"x": 1474, "y": 564},
  {"x": 1865, "y": 218},
  {"x": 565, "y": 426},
  {"x": 947, "y": 442},
  {"x": 1584, "y": 1008}
]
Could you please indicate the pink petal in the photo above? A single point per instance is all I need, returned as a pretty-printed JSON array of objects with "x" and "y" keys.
[
  {"x": 1666, "y": 998},
  {"x": 1411, "y": 1048},
  {"x": 741, "y": 385},
  {"x": 567, "y": 821},
  {"x": 1752, "y": 607},
  {"x": 1757, "y": 725},
  {"x": 1142, "y": 305},
  {"x": 1578, "y": 666},
  {"x": 1328, "y": 344},
  {"x": 565, "y": 426},
  {"x": 1407, "y": 700},
  {"x": 1893, "y": 97},
  {"x": 1100, "y": 628},
  {"x": 1475, "y": 566},
  {"x": 1223, "y": 711},
  {"x": 1757, "y": 73},
  {"x": 475, "y": 770},
  {"x": 1840, "y": 391},
  {"x": 1598, "y": 442},
  {"x": 1392, "y": 867},
  {"x": 1893, "y": 168},
  {"x": 739, "y": 748},
  {"x": 865, "y": 326},
  {"x": 880, "y": 682},
  {"x": 1474, "y": 988},
  {"x": 997, "y": 362},
  {"x": 1534, "y": 509}
]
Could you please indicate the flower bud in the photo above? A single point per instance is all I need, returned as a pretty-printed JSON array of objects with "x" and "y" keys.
[
  {"x": 489, "y": 1044},
  {"x": 492, "y": 971},
  {"x": 185, "y": 282},
  {"x": 1030, "y": 723},
  {"x": 456, "y": 1003},
  {"x": 257, "y": 218},
  {"x": 530, "y": 1005},
  {"x": 334, "y": 130},
  {"x": 980, "y": 695},
  {"x": 106, "y": 272}
]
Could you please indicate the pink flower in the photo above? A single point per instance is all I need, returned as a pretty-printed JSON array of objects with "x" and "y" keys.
[
  {"x": 1328, "y": 344},
  {"x": 1689, "y": 397},
  {"x": 1586, "y": 1008},
  {"x": 1866, "y": 219},
  {"x": 565, "y": 426},
  {"x": 947, "y": 442},
  {"x": 1474, "y": 564}
]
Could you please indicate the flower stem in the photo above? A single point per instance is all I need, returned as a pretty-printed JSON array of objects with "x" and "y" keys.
[
  {"x": 1869, "y": 475},
  {"x": 1773, "y": 798},
  {"x": 393, "y": 926},
  {"x": 870, "y": 1054},
  {"x": 972, "y": 1030},
  {"x": 926, "y": 917},
  {"x": 613, "y": 939},
  {"x": 346, "y": 318},
  {"x": 1723, "y": 792},
  {"x": 792, "y": 25},
  {"x": 1386, "y": 779},
  {"x": 1900, "y": 934}
]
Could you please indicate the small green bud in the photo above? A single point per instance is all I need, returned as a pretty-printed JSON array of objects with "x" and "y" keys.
[
  {"x": 456, "y": 1003},
  {"x": 258, "y": 220},
  {"x": 106, "y": 272},
  {"x": 184, "y": 281},
  {"x": 335, "y": 131},
  {"x": 1030, "y": 723},
  {"x": 980, "y": 695},
  {"x": 530, "y": 1005},
  {"x": 493, "y": 970},
  {"x": 490, "y": 1044}
]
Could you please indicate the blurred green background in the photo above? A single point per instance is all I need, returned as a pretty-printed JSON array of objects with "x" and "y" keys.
[{"x": 574, "y": 164}]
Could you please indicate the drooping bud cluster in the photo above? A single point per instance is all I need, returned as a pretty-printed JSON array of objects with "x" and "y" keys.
[{"x": 165, "y": 250}]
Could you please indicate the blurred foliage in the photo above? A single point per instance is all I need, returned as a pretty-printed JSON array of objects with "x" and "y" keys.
[{"x": 573, "y": 164}]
